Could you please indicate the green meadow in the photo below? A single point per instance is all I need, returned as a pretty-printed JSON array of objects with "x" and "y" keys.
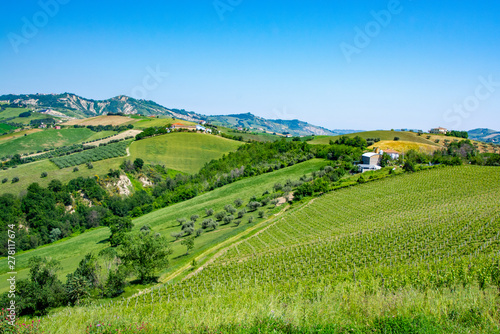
[
  {"x": 182, "y": 151},
  {"x": 383, "y": 135}
]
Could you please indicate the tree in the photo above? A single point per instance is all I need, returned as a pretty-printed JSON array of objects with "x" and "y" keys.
[
  {"x": 209, "y": 212},
  {"x": 145, "y": 253},
  {"x": 261, "y": 214},
  {"x": 55, "y": 234},
  {"x": 177, "y": 235},
  {"x": 181, "y": 220},
  {"x": 5, "y": 180},
  {"x": 44, "y": 174},
  {"x": 254, "y": 205},
  {"x": 384, "y": 161},
  {"x": 241, "y": 213},
  {"x": 75, "y": 169},
  {"x": 228, "y": 219},
  {"x": 396, "y": 138},
  {"x": 229, "y": 209},
  {"x": 409, "y": 166},
  {"x": 238, "y": 202},
  {"x": 15, "y": 179},
  {"x": 119, "y": 226},
  {"x": 77, "y": 289},
  {"x": 194, "y": 218},
  {"x": 138, "y": 164},
  {"x": 189, "y": 243},
  {"x": 220, "y": 215}
]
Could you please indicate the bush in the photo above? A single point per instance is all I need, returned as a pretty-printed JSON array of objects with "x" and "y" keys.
[
  {"x": 75, "y": 169},
  {"x": 396, "y": 138},
  {"x": 5, "y": 180},
  {"x": 15, "y": 179},
  {"x": 261, "y": 214},
  {"x": 44, "y": 174}
]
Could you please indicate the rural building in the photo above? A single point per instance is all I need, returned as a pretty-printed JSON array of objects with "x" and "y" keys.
[
  {"x": 370, "y": 161},
  {"x": 371, "y": 158},
  {"x": 394, "y": 154},
  {"x": 200, "y": 128},
  {"x": 57, "y": 127},
  {"x": 43, "y": 126},
  {"x": 438, "y": 131},
  {"x": 183, "y": 126}
]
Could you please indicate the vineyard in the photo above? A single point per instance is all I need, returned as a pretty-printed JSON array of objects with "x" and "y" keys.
[
  {"x": 426, "y": 243},
  {"x": 103, "y": 152}
]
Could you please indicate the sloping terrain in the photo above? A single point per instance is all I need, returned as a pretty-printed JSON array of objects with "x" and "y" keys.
[
  {"x": 418, "y": 246},
  {"x": 182, "y": 151}
]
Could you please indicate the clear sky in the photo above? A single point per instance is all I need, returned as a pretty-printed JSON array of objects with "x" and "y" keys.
[{"x": 339, "y": 64}]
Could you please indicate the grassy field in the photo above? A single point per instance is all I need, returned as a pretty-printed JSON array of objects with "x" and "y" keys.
[
  {"x": 45, "y": 139},
  {"x": 102, "y": 120},
  {"x": 4, "y": 128},
  {"x": 18, "y": 134},
  {"x": 405, "y": 146},
  {"x": 407, "y": 254},
  {"x": 182, "y": 151},
  {"x": 159, "y": 122},
  {"x": 383, "y": 135},
  {"x": 12, "y": 112},
  {"x": 71, "y": 251},
  {"x": 408, "y": 140},
  {"x": 31, "y": 172}
]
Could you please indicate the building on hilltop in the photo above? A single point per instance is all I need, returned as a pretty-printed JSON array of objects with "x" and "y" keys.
[{"x": 438, "y": 131}]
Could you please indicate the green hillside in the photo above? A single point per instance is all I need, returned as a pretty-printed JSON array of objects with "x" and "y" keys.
[
  {"x": 71, "y": 251},
  {"x": 31, "y": 172},
  {"x": 182, "y": 151},
  {"x": 409, "y": 254},
  {"x": 383, "y": 135},
  {"x": 47, "y": 139}
]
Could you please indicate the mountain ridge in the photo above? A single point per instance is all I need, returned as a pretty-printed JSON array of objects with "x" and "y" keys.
[{"x": 76, "y": 106}]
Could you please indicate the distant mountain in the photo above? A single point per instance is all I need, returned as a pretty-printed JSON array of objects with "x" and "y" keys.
[
  {"x": 486, "y": 135},
  {"x": 248, "y": 120},
  {"x": 76, "y": 106}
]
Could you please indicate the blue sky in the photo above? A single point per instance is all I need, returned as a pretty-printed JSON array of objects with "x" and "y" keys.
[{"x": 331, "y": 63}]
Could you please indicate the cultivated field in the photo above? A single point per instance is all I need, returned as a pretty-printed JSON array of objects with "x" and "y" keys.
[
  {"x": 417, "y": 251},
  {"x": 383, "y": 135},
  {"x": 71, "y": 251},
  {"x": 41, "y": 140},
  {"x": 102, "y": 120},
  {"x": 159, "y": 122},
  {"x": 182, "y": 151}
]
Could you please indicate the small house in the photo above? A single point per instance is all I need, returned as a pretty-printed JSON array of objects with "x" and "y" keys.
[
  {"x": 438, "y": 131},
  {"x": 393, "y": 154}
]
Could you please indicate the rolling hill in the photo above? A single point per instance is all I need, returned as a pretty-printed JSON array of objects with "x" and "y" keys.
[
  {"x": 485, "y": 135},
  {"x": 185, "y": 152},
  {"x": 375, "y": 258}
]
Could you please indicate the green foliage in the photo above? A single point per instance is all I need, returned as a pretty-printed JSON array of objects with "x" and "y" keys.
[
  {"x": 99, "y": 153},
  {"x": 145, "y": 253},
  {"x": 189, "y": 243},
  {"x": 119, "y": 227},
  {"x": 355, "y": 142}
]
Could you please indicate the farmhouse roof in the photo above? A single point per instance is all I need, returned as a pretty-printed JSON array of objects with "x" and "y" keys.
[{"x": 369, "y": 155}]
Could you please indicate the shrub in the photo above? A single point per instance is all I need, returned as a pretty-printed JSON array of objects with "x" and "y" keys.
[
  {"x": 261, "y": 214},
  {"x": 5, "y": 180},
  {"x": 396, "y": 138},
  {"x": 75, "y": 169},
  {"x": 15, "y": 179},
  {"x": 44, "y": 174}
]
